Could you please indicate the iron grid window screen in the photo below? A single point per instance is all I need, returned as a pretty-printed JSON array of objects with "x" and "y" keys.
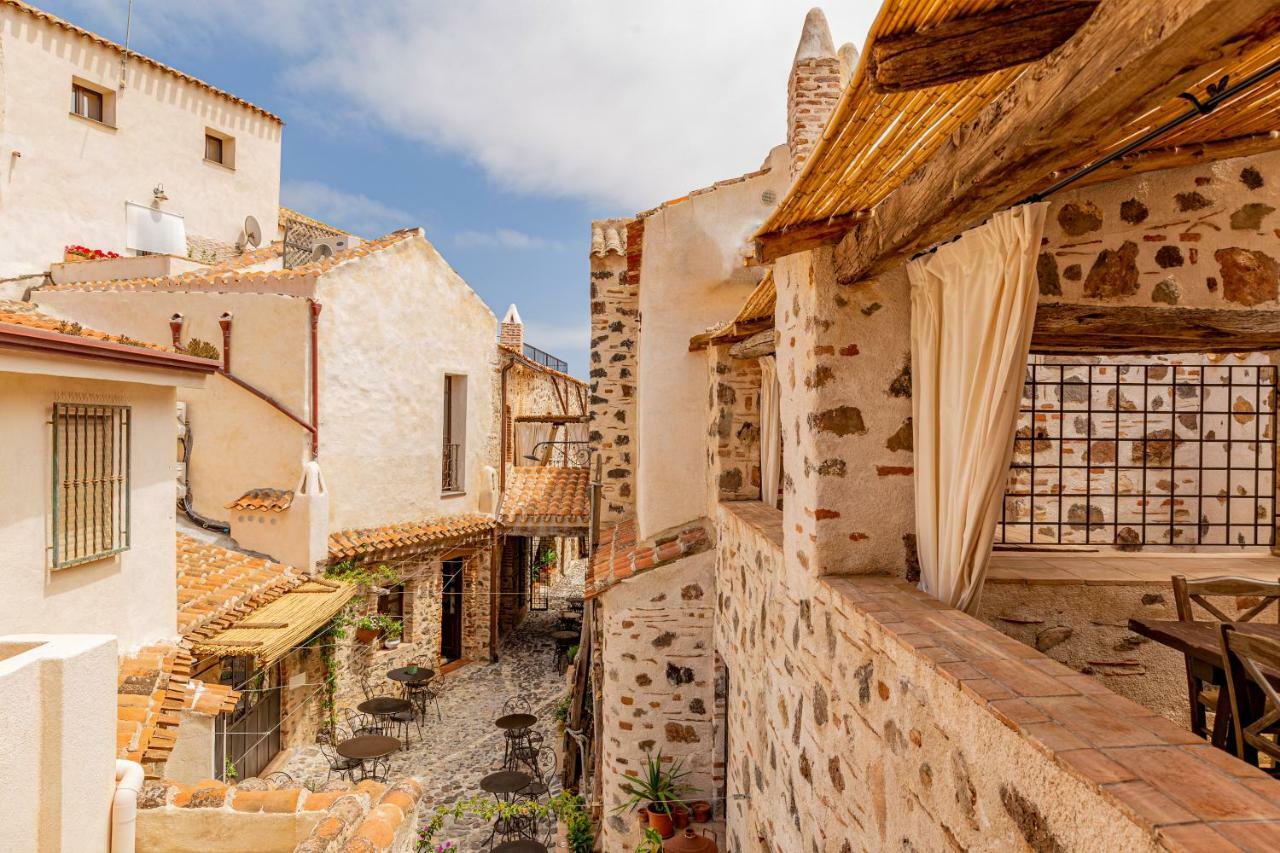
[
  {"x": 1143, "y": 454},
  {"x": 90, "y": 488}
]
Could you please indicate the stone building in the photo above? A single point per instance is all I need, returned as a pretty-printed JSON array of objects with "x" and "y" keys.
[{"x": 775, "y": 609}]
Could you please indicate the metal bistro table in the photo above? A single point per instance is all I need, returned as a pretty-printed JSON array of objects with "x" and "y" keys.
[
  {"x": 385, "y": 708},
  {"x": 1200, "y": 642},
  {"x": 518, "y": 747},
  {"x": 505, "y": 785},
  {"x": 523, "y": 845},
  {"x": 369, "y": 748},
  {"x": 416, "y": 683}
]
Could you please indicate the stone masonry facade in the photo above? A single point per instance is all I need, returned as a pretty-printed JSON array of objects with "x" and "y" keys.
[
  {"x": 864, "y": 715},
  {"x": 733, "y": 431},
  {"x": 615, "y": 341}
]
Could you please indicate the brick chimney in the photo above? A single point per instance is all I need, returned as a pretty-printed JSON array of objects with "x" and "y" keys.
[
  {"x": 812, "y": 89},
  {"x": 511, "y": 333}
]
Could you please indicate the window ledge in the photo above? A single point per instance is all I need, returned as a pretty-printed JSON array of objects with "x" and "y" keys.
[
  {"x": 453, "y": 493},
  {"x": 101, "y": 125},
  {"x": 219, "y": 165}
]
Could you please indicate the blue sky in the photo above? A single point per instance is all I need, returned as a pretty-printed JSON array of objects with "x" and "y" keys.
[{"x": 501, "y": 127}]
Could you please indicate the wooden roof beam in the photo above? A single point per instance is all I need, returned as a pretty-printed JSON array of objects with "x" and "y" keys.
[
  {"x": 975, "y": 44},
  {"x": 1128, "y": 58},
  {"x": 1073, "y": 329}
]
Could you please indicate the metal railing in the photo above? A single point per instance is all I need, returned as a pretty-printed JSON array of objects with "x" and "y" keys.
[
  {"x": 545, "y": 358},
  {"x": 451, "y": 468},
  {"x": 562, "y": 453},
  {"x": 90, "y": 489},
  {"x": 1143, "y": 454}
]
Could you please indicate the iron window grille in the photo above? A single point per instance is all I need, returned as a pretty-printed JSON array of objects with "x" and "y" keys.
[
  {"x": 452, "y": 468},
  {"x": 90, "y": 489},
  {"x": 1131, "y": 454}
]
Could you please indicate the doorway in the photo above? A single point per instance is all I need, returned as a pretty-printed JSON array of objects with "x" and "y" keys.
[
  {"x": 248, "y": 737},
  {"x": 451, "y": 610}
]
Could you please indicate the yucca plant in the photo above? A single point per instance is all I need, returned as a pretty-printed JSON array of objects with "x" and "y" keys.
[{"x": 657, "y": 786}]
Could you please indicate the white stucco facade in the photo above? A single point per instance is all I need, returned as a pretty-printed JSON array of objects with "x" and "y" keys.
[
  {"x": 131, "y": 594},
  {"x": 65, "y": 179},
  {"x": 693, "y": 277}
]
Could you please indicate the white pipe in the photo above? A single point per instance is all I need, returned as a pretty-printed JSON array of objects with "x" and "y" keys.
[{"x": 124, "y": 806}]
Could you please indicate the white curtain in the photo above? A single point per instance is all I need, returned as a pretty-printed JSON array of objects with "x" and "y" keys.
[
  {"x": 973, "y": 308},
  {"x": 770, "y": 431},
  {"x": 528, "y": 435}
]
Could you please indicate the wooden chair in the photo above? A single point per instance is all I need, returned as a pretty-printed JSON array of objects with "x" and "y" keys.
[
  {"x": 1202, "y": 696},
  {"x": 1245, "y": 655}
]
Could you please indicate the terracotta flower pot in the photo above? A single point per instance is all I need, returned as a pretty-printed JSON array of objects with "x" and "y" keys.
[
  {"x": 660, "y": 822},
  {"x": 680, "y": 815},
  {"x": 701, "y": 811},
  {"x": 366, "y": 635},
  {"x": 690, "y": 842},
  {"x": 642, "y": 815}
]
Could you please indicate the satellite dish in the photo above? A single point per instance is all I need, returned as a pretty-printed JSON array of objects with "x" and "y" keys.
[
  {"x": 320, "y": 251},
  {"x": 252, "y": 232}
]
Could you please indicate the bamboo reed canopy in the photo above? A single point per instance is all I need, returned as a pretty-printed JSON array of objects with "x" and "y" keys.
[
  {"x": 271, "y": 631},
  {"x": 875, "y": 139}
]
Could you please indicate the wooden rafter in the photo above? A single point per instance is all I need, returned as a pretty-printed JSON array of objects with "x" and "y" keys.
[
  {"x": 1126, "y": 60},
  {"x": 1072, "y": 329}
]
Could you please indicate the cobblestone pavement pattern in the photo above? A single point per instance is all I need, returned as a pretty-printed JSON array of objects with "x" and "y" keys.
[{"x": 454, "y": 754}]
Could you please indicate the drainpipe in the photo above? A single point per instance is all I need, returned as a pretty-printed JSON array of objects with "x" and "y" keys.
[
  {"x": 225, "y": 322},
  {"x": 503, "y": 417},
  {"x": 315, "y": 378},
  {"x": 175, "y": 328},
  {"x": 124, "y": 806}
]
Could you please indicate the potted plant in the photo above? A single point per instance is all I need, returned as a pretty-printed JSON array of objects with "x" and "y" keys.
[
  {"x": 659, "y": 790},
  {"x": 392, "y": 629},
  {"x": 369, "y": 628}
]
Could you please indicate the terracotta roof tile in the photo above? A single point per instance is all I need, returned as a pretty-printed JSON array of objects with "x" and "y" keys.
[
  {"x": 422, "y": 535},
  {"x": 17, "y": 313},
  {"x": 94, "y": 37},
  {"x": 233, "y": 276},
  {"x": 218, "y": 587},
  {"x": 154, "y": 686},
  {"x": 288, "y": 214},
  {"x": 608, "y": 236},
  {"x": 547, "y": 496},
  {"x": 618, "y": 555},
  {"x": 263, "y": 500}
]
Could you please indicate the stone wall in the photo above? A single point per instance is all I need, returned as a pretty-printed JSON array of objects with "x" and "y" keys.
[
  {"x": 844, "y": 366},
  {"x": 1200, "y": 411},
  {"x": 658, "y": 693},
  {"x": 615, "y": 340},
  {"x": 864, "y": 715},
  {"x": 733, "y": 433},
  {"x": 1202, "y": 236}
]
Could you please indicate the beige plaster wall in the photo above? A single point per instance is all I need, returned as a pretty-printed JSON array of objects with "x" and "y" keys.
[
  {"x": 240, "y": 442},
  {"x": 659, "y": 683},
  {"x": 58, "y": 701},
  {"x": 132, "y": 594},
  {"x": 64, "y": 179},
  {"x": 692, "y": 277},
  {"x": 393, "y": 325},
  {"x": 842, "y": 737},
  {"x": 192, "y": 757}
]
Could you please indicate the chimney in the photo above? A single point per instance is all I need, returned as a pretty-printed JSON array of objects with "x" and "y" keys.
[
  {"x": 812, "y": 89},
  {"x": 848, "y": 64},
  {"x": 511, "y": 333}
]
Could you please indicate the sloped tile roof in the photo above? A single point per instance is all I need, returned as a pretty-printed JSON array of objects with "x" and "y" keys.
[
  {"x": 547, "y": 496},
  {"x": 431, "y": 533},
  {"x": 619, "y": 556},
  {"x": 154, "y": 686},
  {"x": 97, "y": 39},
  {"x": 608, "y": 236},
  {"x": 233, "y": 276},
  {"x": 217, "y": 587},
  {"x": 263, "y": 500},
  {"x": 288, "y": 214},
  {"x": 16, "y": 313}
]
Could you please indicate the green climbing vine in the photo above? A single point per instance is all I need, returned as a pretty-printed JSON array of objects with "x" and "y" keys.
[{"x": 566, "y": 807}]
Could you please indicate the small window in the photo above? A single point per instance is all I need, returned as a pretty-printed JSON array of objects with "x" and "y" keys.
[
  {"x": 453, "y": 461},
  {"x": 212, "y": 148},
  {"x": 219, "y": 148},
  {"x": 86, "y": 103},
  {"x": 90, "y": 500},
  {"x": 391, "y": 604}
]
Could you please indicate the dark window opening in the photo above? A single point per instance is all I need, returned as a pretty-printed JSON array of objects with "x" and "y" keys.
[{"x": 86, "y": 102}]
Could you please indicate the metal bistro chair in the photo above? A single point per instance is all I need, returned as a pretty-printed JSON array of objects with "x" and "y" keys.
[
  {"x": 1244, "y": 656},
  {"x": 421, "y": 694},
  {"x": 362, "y": 724},
  {"x": 344, "y": 767},
  {"x": 1200, "y": 695}
]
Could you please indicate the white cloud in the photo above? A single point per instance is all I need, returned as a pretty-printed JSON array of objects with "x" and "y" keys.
[
  {"x": 357, "y": 213},
  {"x": 623, "y": 104},
  {"x": 502, "y": 238}
]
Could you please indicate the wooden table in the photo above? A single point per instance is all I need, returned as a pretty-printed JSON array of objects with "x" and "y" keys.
[{"x": 1200, "y": 642}]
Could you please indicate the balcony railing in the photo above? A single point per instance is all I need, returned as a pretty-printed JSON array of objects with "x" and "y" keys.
[
  {"x": 545, "y": 358},
  {"x": 452, "y": 468},
  {"x": 560, "y": 454}
]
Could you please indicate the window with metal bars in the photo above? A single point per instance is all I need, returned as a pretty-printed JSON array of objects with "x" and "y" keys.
[
  {"x": 1130, "y": 454},
  {"x": 90, "y": 488}
]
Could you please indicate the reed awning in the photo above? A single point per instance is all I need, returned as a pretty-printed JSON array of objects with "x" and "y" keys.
[{"x": 270, "y": 632}]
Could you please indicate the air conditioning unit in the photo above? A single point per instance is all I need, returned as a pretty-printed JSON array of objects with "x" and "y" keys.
[{"x": 328, "y": 247}]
